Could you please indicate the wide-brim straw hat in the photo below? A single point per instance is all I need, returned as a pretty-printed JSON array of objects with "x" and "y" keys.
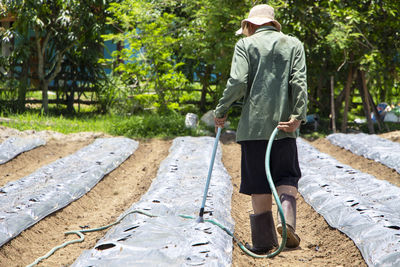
[{"x": 259, "y": 15}]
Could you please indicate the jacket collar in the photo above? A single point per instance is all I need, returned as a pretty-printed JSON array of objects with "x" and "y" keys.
[{"x": 266, "y": 28}]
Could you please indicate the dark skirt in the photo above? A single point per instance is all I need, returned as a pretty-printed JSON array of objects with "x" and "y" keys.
[{"x": 284, "y": 165}]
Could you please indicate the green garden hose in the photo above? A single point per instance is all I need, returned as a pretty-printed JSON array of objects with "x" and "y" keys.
[
  {"x": 276, "y": 197},
  {"x": 278, "y": 203},
  {"x": 82, "y": 236},
  {"x": 240, "y": 244}
]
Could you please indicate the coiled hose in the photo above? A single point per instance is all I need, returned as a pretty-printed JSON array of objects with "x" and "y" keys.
[{"x": 240, "y": 244}]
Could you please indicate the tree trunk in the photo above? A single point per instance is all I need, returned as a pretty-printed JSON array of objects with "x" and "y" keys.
[
  {"x": 388, "y": 92},
  {"x": 46, "y": 78},
  {"x": 339, "y": 99},
  {"x": 160, "y": 92},
  {"x": 204, "y": 90},
  {"x": 70, "y": 99},
  {"x": 365, "y": 100},
  {"x": 333, "y": 119},
  {"x": 22, "y": 86},
  {"x": 43, "y": 83},
  {"x": 203, "y": 96},
  {"x": 378, "y": 117},
  {"x": 382, "y": 91},
  {"x": 45, "y": 96},
  {"x": 320, "y": 96},
  {"x": 347, "y": 98}
]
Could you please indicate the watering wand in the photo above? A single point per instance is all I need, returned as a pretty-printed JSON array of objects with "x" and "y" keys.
[
  {"x": 200, "y": 219},
  {"x": 210, "y": 168}
]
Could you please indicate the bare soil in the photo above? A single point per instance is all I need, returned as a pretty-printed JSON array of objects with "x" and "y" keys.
[
  {"x": 30, "y": 161},
  {"x": 101, "y": 206},
  {"x": 321, "y": 245},
  {"x": 394, "y": 136}
]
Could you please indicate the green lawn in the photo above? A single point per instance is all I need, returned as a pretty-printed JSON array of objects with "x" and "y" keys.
[{"x": 145, "y": 125}]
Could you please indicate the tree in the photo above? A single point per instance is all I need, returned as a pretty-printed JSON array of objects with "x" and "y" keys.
[
  {"x": 59, "y": 27},
  {"x": 14, "y": 67},
  {"x": 208, "y": 39},
  {"x": 342, "y": 38},
  {"x": 368, "y": 27},
  {"x": 151, "y": 41}
]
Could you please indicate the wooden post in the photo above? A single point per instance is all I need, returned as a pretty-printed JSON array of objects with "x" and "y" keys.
[
  {"x": 347, "y": 98},
  {"x": 366, "y": 102},
  {"x": 333, "y": 105},
  {"x": 205, "y": 83}
]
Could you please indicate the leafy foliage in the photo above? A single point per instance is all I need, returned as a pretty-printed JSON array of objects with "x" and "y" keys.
[
  {"x": 152, "y": 125},
  {"x": 177, "y": 51},
  {"x": 149, "y": 58},
  {"x": 339, "y": 34},
  {"x": 56, "y": 36}
]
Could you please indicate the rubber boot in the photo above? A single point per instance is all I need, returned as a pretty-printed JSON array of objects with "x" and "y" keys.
[
  {"x": 289, "y": 211},
  {"x": 263, "y": 233}
]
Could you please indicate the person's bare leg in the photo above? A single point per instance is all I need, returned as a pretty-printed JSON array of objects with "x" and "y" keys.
[
  {"x": 261, "y": 203},
  {"x": 287, "y": 195},
  {"x": 287, "y": 189}
]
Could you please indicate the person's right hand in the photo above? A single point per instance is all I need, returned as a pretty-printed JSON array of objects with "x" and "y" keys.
[
  {"x": 219, "y": 122},
  {"x": 289, "y": 126}
]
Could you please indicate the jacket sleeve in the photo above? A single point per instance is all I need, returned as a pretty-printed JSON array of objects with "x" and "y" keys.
[
  {"x": 237, "y": 83},
  {"x": 298, "y": 84}
]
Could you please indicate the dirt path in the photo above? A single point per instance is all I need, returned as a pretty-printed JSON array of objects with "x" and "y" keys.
[
  {"x": 393, "y": 136},
  {"x": 28, "y": 162},
  {"x": 101, "y": 206},
  {"x": 321, "y": 245},
  {"x": 344, "y": 156}
]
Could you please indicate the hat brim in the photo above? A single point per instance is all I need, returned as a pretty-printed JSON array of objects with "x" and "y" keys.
[{"x": 258, "y": 21}]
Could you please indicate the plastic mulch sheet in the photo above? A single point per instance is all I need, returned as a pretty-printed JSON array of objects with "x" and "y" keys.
[
  {"x": 169, "y": 240},
  {"x": 14, "y": 146},
  {"x": 26, "y": 201},
  {"x": 370, "y": 146},
  {"x": 364, "y": 208}
]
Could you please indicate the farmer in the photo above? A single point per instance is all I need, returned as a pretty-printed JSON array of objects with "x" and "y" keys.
[{"x": 269, "y": 72}]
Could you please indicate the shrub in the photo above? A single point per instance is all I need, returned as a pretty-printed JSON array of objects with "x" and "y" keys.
[{"x": 152, "y": 125}]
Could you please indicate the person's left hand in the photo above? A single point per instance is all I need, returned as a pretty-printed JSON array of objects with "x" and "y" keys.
[{"x": 289, "y": 126}]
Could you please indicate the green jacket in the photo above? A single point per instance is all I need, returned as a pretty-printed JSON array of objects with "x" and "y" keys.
[{"x": 269, "y": 72}]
